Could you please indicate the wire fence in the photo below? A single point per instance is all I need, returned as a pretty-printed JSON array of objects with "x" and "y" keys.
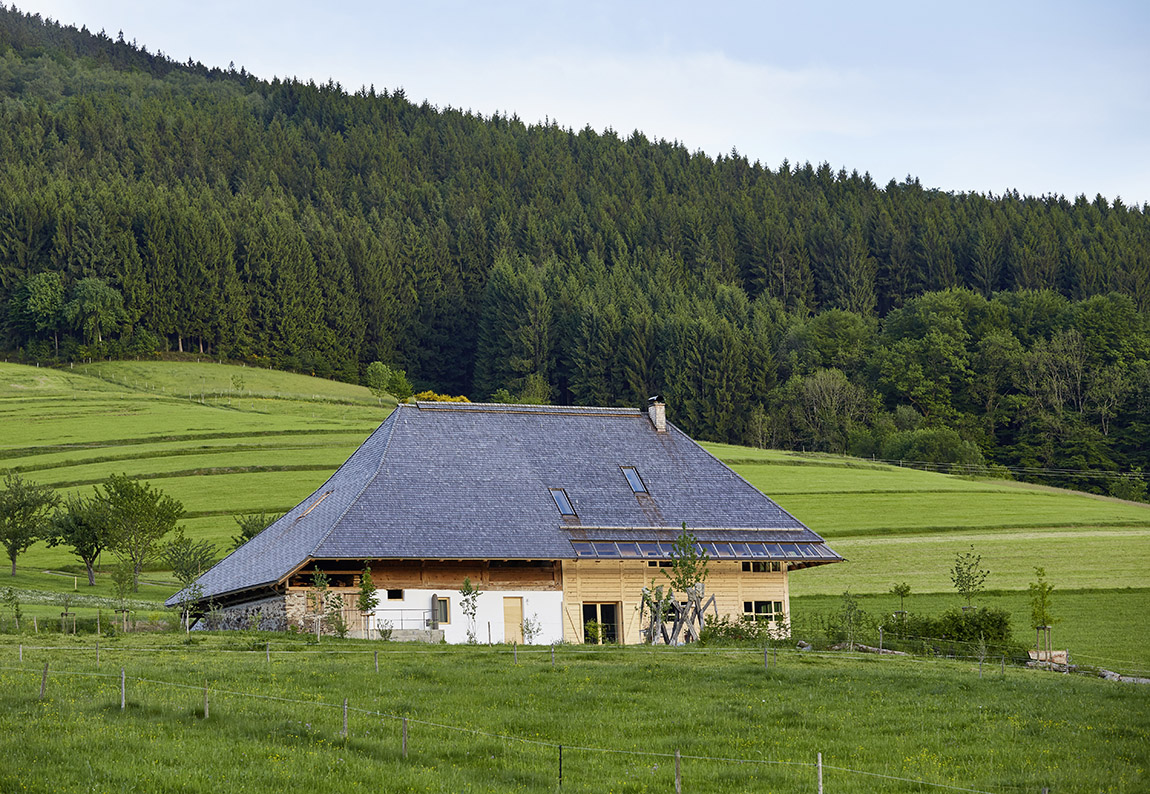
[{"x": 535, "y": 762}]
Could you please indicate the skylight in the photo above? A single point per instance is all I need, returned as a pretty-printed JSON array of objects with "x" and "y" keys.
[
  {"x": 562, "y": 502},
  {"x": 633, "y": 479}
]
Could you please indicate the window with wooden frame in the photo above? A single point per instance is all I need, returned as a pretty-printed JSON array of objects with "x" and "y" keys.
[
  {"x": 442, "y": 610},
  {"x": 394, "y": 595},
  {"x": 762, "y": 610},
  {"x": 762, "y": 567}
]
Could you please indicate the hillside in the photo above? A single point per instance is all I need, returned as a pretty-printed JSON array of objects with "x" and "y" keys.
[
  {"x": 159, "y": 205},
  {"x": 229, "y": 440}
]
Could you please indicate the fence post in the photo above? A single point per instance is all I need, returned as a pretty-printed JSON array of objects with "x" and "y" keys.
[
  {"x": 880, "y": 639},
  {"x": 515, "y": 652},
  {"x": 122, "y": 688},
  {"x": 560, "y": 766},
  {"x": 21, "y": 651},
  {"x": 268, "y": 651},
  {"x": 97, "y": 654},
  {"x": 678, "y": 777},
  {"x": 766, "y": 658},
  {"x": 345, "y": 718},
  {"x": 553, "y": 660},
  {"x": 405, "y": 737},
  {"x": 377, "y": 661},
  {"x": 205, "y": 699},
  {"x": 44, "y": 681},
  {"x": 820, "y": 773}
]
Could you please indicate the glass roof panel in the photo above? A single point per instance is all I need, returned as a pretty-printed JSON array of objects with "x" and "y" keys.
[
  {"x": 634, "y": 480},
  {"x": 650, "y": 550},
  {"x": 629, "y": 550},
  {"x": 605, "y": 549},
  {"x": 562, "y": 502},
  {"x": 582, "y": 549}
]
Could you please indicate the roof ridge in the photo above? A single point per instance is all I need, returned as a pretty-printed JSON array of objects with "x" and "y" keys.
[
  {"x": 368, "y": 481},
  {"x": 509, "y": 408}
]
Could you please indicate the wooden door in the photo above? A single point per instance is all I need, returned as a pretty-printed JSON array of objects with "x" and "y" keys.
[{"x": 513, "y": 620}]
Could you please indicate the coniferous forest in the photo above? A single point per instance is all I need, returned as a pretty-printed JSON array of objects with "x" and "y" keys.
[{"x": 153, "y": 206}]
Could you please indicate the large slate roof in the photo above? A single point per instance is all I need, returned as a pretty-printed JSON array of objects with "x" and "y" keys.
[{"x": 472, "y": 481}]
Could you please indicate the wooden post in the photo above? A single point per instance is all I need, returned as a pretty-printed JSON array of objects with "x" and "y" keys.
[
  {"x": 345, "y": 718},
  {"x": 21, "y": 651},
  {"x": 678, "y": 777},
  {"x": 97, "y": 622},
  {"x": 820, "y": 773},
  {"x": 560, "y": 766},
  {"x": 405, "y": 737},
  {"x": 35, "y": 625},
  {"x": 268, "y": 651},
  {"x": 489, "y": 634},
  {"x": 97, "y": 654},
  {"x": 880, "y": 639},
  {"x": 377, "y": 661},
  {"x": 766, "y": 658},
  {"x": 515, "y": 652},
  {"x": 1004, "y": 665},
  {"x": 553, "y": 664},
  {"x": 123, "y": 700},
  {"x": 205, "y": 699},
  {"x": 44, "y": 681}
]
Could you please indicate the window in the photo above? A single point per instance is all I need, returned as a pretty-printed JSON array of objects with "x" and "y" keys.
[
  {"x": 633, "y": 479},
  {"x": 600, "y": 623},
  {"x": 562, "y": 502},
  {"x": 442, "y": 610},
  {"x": 762, "y": 610},
  {"x": 762, "y": 567},
  {"x": 659, "y": 564},
  {"x": 394, "y": 595}
]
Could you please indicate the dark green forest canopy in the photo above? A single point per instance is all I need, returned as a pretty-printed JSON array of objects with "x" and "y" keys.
[{"x": 309, "y": 228}]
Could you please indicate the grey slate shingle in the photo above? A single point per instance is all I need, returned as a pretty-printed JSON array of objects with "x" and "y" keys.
[{"x": 471, "y": 481}]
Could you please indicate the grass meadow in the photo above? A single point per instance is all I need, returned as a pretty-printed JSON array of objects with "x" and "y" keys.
[
  {"x": 881, "y": 723},
  {"x": 230, "y": 440}
]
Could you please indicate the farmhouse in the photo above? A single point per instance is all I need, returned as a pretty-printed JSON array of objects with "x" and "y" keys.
[{"x": 558, "y": 515}]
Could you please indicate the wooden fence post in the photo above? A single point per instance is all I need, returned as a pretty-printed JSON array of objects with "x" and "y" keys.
[
  {"x": 678, "y": 777},
  {"x": 553, "y": 662},
  {"x": 205, "y": 699},
  {"x": 560, "y": 766},
  {"x": 820, "y": 773},
  {"x": 880, "y": 639},
  {"x": 405, "y": 737},
  {"x": 44, "y": 681},
  {"x": 766, "y": 658},
  {"x": 377, "y": 661},
  {"x": 122, "y": 699},
  {"x": 345, "y": 718},
  {"x": 268, "y": 651},
  {"x": 515, "y": 652},
  {"x": 21, "y": 651},
  {"x": 97, "y": 654}
]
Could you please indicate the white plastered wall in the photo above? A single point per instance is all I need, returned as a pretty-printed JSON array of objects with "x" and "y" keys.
[{"x": 544, "y": 607}]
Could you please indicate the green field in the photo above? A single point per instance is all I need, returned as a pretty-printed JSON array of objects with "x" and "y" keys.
[
  {"x": 227, "y": 440},
  {"x": 882, "y": 724}
]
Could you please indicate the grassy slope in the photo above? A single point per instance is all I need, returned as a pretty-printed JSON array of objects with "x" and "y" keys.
[
  {"x": 265, "y": 443},
  {"x": 932, "y": 721}
]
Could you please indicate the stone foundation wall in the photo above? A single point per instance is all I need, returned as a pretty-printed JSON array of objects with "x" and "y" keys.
[{"x": 266, "y": 614}]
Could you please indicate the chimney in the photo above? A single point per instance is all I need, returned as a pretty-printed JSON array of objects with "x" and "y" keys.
[{"x": 657, "y": 413}]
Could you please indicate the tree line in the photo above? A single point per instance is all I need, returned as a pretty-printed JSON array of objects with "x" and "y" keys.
[{"x": 150, "y": 205}]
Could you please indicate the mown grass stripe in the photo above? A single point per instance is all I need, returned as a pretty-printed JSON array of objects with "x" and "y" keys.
[
  {"x": 20, "y": 452},
  {"x": 205, "y": 472}
]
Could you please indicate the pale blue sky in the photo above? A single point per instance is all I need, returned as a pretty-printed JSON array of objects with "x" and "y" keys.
[{"x": 1042, "y": 97}]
